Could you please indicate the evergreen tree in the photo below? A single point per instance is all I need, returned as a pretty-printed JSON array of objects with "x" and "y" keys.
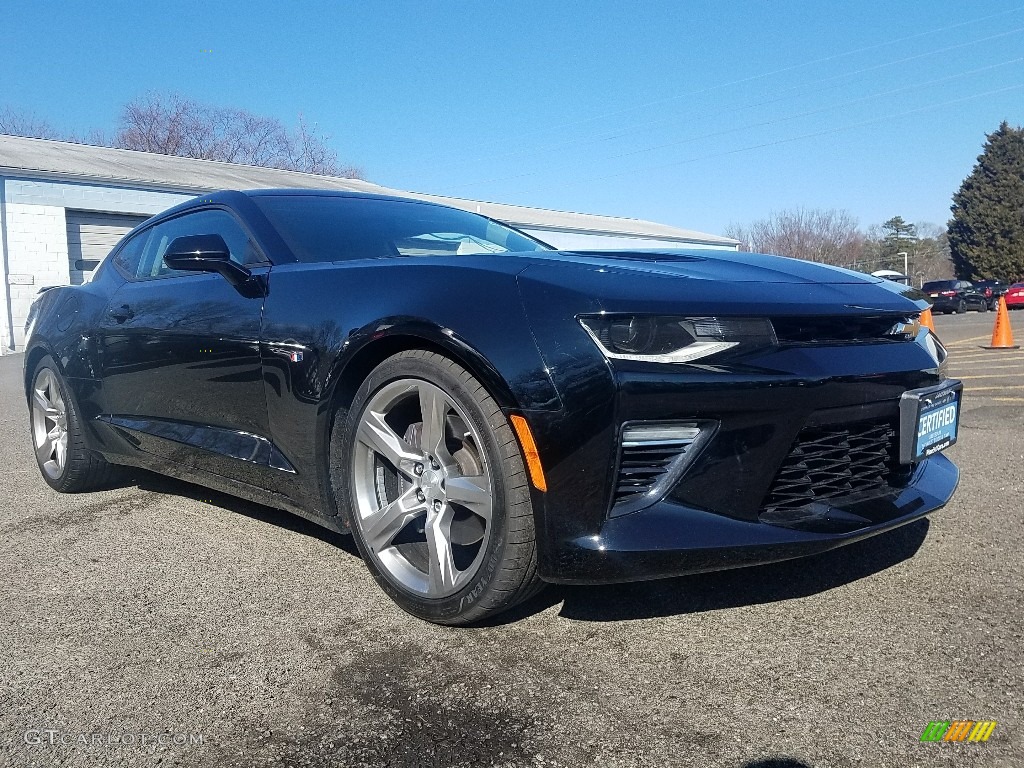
[
  {"x": 986, "y": 233},
  {"x": 899, "y": 235}
]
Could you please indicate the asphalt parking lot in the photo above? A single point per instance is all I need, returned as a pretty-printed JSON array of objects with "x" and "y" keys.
[{"x": 169, "y": 613}]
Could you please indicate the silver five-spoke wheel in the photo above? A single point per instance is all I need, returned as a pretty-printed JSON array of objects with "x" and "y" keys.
[
  {"x": 429, "y": 476},
  {"x": 49, "y": 424},
  {"x": 422, "y": 489}
]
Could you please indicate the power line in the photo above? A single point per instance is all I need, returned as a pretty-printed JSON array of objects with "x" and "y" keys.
[
  {"x": 821, "y": 110},
  {"x": 855, "y": 73},
  {"x": 772, "y": 73},
  {"x": 815, "y": 134},
  {"x": 768, "y": 123},
  {"x": 803, "y": 87}
]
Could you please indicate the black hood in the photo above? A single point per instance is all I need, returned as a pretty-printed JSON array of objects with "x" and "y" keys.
[
  {"x": 713, "y": 281},
  {"x": 728, "y": 266}
]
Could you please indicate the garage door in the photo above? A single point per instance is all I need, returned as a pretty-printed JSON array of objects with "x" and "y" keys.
[{"x": 91, "y": 236}]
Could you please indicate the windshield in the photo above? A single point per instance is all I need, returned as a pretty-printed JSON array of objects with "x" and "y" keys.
[{"x": 336, "y": 228}]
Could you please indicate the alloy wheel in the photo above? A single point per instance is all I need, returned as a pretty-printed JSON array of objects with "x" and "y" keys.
[
  {"x": 422, "y": 488},
  {"x": 49, "y": 424}
]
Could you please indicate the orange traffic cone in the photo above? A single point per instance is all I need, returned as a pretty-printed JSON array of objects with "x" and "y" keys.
[
  {"x": 1002, "y": 334},
  {"x": 926, "y": 320}
]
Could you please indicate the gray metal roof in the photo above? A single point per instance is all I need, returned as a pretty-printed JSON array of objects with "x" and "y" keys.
[{"x": 83, "y": 162}]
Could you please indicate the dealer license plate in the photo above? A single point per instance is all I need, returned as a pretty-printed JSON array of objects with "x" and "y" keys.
[{"x": 934, "y": 420}]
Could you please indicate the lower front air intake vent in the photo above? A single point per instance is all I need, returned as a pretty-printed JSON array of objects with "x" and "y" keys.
[
  {"x": 653, "y": 458},
  {"x": 833, "y": 462}
]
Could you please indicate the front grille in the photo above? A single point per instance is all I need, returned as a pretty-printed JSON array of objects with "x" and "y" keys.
[
  {"x": 829, "y": 462},
  {"x": 830, "y": 329}
]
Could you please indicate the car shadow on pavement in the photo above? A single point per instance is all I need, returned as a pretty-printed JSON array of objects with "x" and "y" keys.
[
  {"x": 149, "y": 481},
  {"x": 729, "y": 589},
  {"x": 637, "y": 600}
]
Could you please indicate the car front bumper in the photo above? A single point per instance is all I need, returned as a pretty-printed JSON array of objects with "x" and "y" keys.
[
  {"x": 673, "y": 539},
  {"x": 722, "y": 512}
]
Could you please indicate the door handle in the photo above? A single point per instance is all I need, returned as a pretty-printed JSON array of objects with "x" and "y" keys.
[{"x": 122, "y": 313}]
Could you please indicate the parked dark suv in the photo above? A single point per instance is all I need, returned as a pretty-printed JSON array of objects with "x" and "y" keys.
[
  {"x": 955, "y": 296},
  {"x": 992, "y": 289}
]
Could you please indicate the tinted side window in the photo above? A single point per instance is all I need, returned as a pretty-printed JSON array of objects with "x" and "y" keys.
[
  {"x": 337, "y": 228},
  {"x": 211, "y": 222},
  {"x": 128, "y": 258}
]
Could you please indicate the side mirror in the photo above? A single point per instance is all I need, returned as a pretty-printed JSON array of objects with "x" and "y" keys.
[{"x": 205, "y": 253}]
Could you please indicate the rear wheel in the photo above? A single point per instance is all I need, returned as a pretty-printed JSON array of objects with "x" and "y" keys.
[
  {"x": 64, "y": 462},
  {"x": 436, "y": 491},
  {"x": 961, "y": 307}
]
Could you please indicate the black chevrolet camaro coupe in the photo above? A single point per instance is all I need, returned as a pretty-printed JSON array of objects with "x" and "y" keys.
[{"x": 485, "y": 414}]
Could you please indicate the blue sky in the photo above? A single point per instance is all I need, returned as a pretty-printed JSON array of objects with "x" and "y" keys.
[{"x": 691, "y": 114}]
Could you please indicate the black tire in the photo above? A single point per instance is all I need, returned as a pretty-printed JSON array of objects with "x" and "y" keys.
[
  {"x": 961, "y": 308},
  {"x": 983, "y": 307},
  {"x": 82, "y": 469},
  {"x": 503, "y": 572}
]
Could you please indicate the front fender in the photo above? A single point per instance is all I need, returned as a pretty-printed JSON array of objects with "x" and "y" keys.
[
  {"x": 369, "y": 345},
  {"x": 326, "y": 326}
]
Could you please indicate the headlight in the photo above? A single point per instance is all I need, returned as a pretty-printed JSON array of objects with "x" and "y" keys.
[{"x": 675, "y": 339}]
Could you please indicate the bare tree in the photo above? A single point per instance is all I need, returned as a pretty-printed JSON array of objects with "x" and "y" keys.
[
  {"x": 309, "y": 152},
  {"x": 827, "y": 236},
  {"x": 173, "y": 125},
  {"x": 19, "y": 123}
]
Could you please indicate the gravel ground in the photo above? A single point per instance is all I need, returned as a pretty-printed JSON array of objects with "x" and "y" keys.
[{"x": 163, "y": 612}]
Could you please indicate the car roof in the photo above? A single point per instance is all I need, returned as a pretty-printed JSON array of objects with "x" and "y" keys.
[
  {"x": 233, "y": 197},
  {"x": 289, "y": 192}
]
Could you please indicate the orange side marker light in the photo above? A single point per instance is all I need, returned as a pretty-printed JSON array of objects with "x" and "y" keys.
[
  {"x": 927, "y": 321},
  {"x": 530, "y": 452}
]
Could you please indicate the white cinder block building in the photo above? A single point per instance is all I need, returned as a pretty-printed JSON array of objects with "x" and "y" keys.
[{"x": 64, "y": 206}]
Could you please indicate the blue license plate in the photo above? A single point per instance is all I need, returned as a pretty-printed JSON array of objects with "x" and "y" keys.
[{"x": 938, "y": 418}]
